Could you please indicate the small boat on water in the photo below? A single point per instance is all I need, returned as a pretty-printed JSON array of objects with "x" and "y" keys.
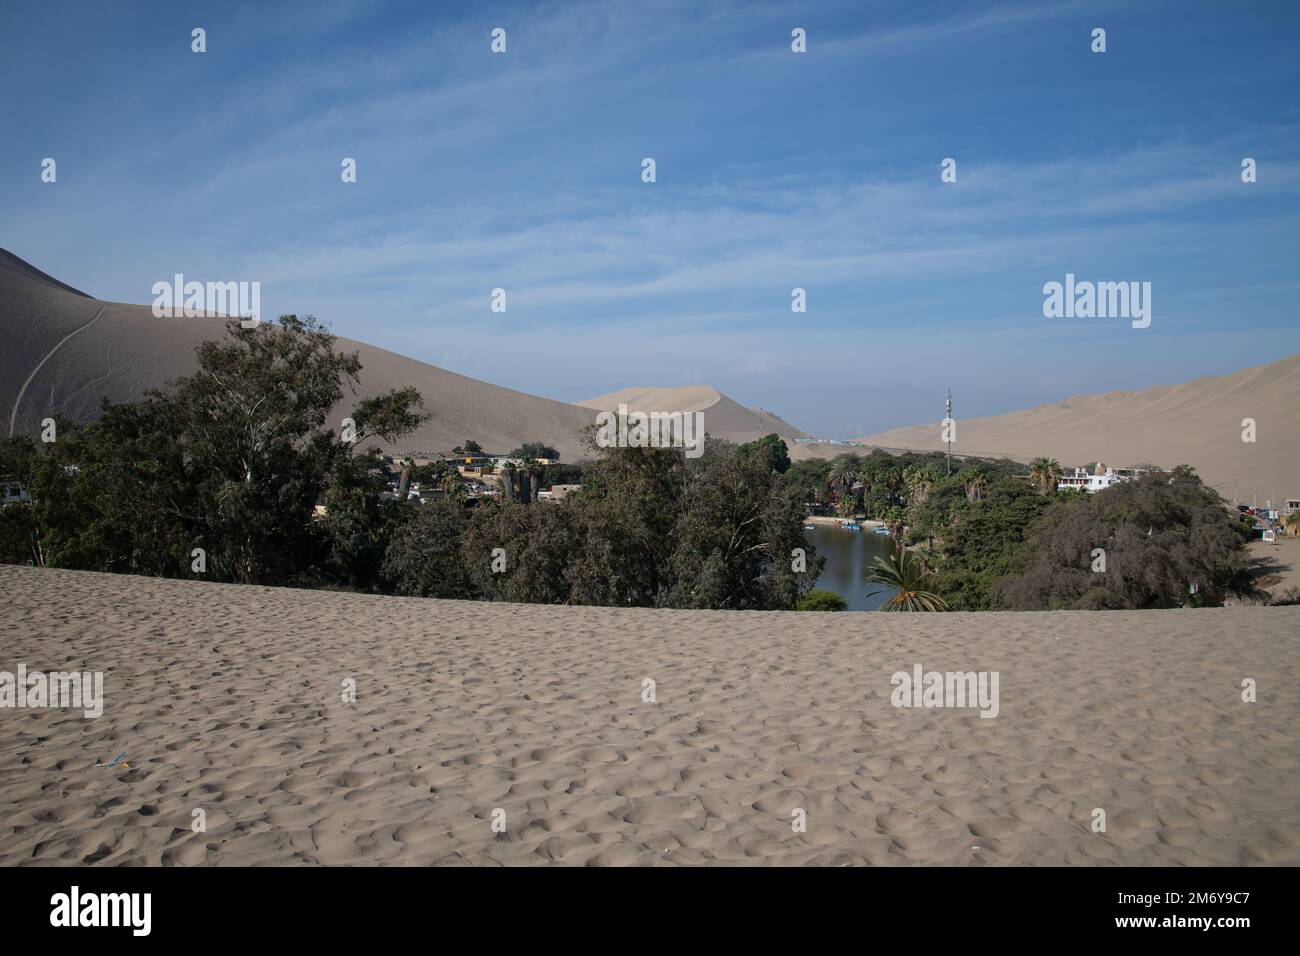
[
  {"x": 881, "y": 530},
  {"x": 810, "y": 527},
  {"x": 850, "y": 526}
]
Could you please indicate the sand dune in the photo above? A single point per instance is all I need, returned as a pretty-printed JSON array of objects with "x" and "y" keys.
[
  {"x": 227, "y": 699},
  {"x": 65, "y": 350},
  {"x": 723, "y": 417},
  {"x": 70, "y": 350},
  {"x": 1196, "y": 423}
]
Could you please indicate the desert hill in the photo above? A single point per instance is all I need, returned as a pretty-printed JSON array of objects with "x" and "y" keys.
[
  {"x": 1197, "y": 423},
  {"x": 723, "y": 417},
  {"x": 66, "y": 350}
]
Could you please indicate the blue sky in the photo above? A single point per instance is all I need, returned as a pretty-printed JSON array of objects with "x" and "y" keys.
[{"x": 775, "y": 170}]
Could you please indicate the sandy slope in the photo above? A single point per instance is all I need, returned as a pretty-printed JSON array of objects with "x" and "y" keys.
[
  {"x": 1196, "y": 423},
  {"x": 227, "y": 699},
  {"x": 722, "y": 416},
  {"x": 64, "y": 351}
]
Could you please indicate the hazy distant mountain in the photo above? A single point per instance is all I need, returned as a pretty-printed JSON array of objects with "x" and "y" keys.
[{"x": 1197, "y": 423}]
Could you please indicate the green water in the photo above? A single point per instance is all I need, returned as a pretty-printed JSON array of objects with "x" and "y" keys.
[{"x": 848, "y": 555}]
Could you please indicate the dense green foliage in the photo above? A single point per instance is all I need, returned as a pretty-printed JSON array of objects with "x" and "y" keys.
[
  {"x": 979, "y": 540},
  {"x": 233, "y": 475},
  {"x": 561, "y": 474},
  {"x": 1000, "y": 535},
  {"x": 874, "y": 484},
  {"x": 770, "y": 449},
  {"x": 650, "y": 528},
  {"x": 911, "y": 579},
  {"x": 819, "y": 599},
  {"x": 1161, "y": 538},
  {"x": 230, "y": 461},
  {"x": 416, "y": 560},
  {"x": 535, "y": 449}
]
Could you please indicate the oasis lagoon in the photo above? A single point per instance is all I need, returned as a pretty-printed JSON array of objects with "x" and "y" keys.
[{"x": 849, "y": 555}]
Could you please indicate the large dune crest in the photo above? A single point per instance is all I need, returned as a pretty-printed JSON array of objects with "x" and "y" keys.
[
  {"x": 1199, "y": 423},
  {"x": 66, "y": 350},
  {"x": 723, "y": 416}
]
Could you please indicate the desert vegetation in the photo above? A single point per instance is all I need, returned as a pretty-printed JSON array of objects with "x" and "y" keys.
[{"x": 232, "y": 474}]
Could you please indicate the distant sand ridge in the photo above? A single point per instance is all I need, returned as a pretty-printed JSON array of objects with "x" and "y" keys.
[
  {"x": 69, "y": 350},
  {"x": 227, "y": 699},
  {"x": 1196, "y": 423},
  {"x": 65, "y": 350},
  {"x": 722, "y": 417}
]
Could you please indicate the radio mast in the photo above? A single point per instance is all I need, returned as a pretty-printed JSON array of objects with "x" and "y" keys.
[{"x": 948, "y": 423}]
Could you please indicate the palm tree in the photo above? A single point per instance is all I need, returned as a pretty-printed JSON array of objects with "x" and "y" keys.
[
  {"x": 911, "y": 478},
  {"x": 536, "y": 471},
  {"x": 1045, "y": 473},
  {"x": 919, "y": 483},
  {"x": 896, "y": 523},
  {"x": 864, "y": 479},
  {"x": 841, "y": 475},
  {"x": 894, "y": 484},
  {"x": 407, "y": 466},
  {"x": 975, "y": 483},
  {"x": 908, "y": 573},
  {"x": 508, "y": 474},
  {"x": 450, "y": 481}
]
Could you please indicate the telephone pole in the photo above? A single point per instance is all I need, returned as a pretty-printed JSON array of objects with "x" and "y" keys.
[{"x": 948, "y": 427}]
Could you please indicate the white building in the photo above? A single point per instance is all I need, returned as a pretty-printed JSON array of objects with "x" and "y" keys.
[{"x": 1101, "y": 479}]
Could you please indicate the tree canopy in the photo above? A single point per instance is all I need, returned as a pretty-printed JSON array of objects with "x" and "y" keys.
[
  {"x": 1166, "y": 542},
  {"x": 221, "y": 472}
]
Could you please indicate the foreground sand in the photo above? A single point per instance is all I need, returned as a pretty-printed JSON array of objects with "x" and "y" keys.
[{"x": 228, "y": 699}]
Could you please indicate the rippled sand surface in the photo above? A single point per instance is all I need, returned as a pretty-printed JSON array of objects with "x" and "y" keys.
[{"x": 228, "y": 700}]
